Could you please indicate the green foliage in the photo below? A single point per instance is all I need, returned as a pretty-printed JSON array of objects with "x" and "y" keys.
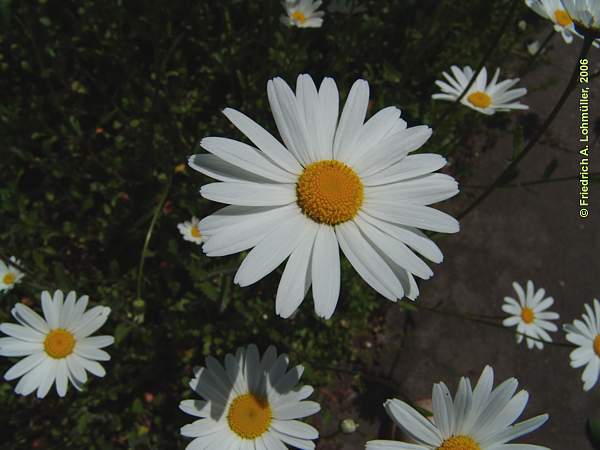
[{"x": 101, "y": 100}]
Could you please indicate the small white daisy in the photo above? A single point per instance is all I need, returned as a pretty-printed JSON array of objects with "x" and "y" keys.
[
  {"x": 479, "y": 419},
  {"x": 250, "y": 403},
  {"x": 555, "y": 11},
  {"x": 586, "y": 335},
  {"x": 302, "y": 13},
  {"x": 586, "y": 15},
  {"x": 58, "y": 349},
  {"x": 9, "y": 274},
  {"x": 529, "y": 315},
  {"x": 190, "y": 230},
  {"x": 481, "y": 96},
  {"x": 349, "y": 184}
]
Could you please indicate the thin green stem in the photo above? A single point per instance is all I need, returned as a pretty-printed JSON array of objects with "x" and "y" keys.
[
  {"x": 587, "y": 44},
  {"x": 534, "y": 182},
  {"x": 155, "y": 217}
]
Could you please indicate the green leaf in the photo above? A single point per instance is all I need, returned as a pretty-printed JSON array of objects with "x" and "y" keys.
[{"x": 593, "y": 432}]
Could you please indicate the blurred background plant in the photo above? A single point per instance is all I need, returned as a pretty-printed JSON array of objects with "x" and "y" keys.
[{"x": 101, "y": 102}]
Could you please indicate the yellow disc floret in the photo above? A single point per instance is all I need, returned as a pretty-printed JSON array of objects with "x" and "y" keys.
[
  {"x": 9, "y": 278},
  {"x": 459, "y": 443},
  {"x": 59, "y": 343},
  {"x": 562, "y": 18},
  {"x": 480, "y": 99},
  {"x": 299, "y": 16},
  {"x": 597, "y": 345},
  {"x": 195, "y": 231},
  {"x": 527, "y": 315},
  {"x": 329, "y": 192},
  {"x": 249, "y": 416}
]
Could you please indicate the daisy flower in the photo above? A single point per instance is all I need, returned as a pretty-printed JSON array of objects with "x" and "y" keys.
[
  {"x": 302, "y": 14},
  {"x": 481, "y": 96},
  {"x": 9, "y": 274},
  {"x": 349, "y": 184},
  {"x": 190, "y": 230},
  {"x": 57, "y": 348},
  {"x": 479, "y": 419},
  {"x": 586, "y": 15},
  {"x": 586, "y": 335},
  {"x": 250, "y": 403},
  {"x": 555, "y": 11},
  {"x": 529, "y": 315}
]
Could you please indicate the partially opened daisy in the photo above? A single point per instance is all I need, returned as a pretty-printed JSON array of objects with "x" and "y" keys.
[
  {"x": 585, "y": 15},
  {"x": 58, "y": 348},
  {"x": 9, "y": 274},
  {"x": 250, "y": 403},
  {"x": 586, "y": 335},
  {"x": 190, "y": 230},
  {"x": 481, "y": 96},
  {"x": 302, "y": 13},
  {"x": 530, "y": 315},
  {"x": 348, "y": 184},
  {"x": 479, "y": 419},
  {"x": 555, "y": 11}
]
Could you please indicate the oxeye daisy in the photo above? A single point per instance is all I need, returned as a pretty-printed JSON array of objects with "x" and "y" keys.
[
  {"x": 586, "y": 335},
  {"x": 57, "y": 348},
  {"x": 302, "y": 14},
  {"x": 349, "y": 184},
  {"x": 481, "y": 96},
  {"x": 529, "y": 315},
  {"x": 585, "y": 15},
  {"x": 190, "y": 230},
  {"x": 479, "y": 419},
  {"x": 9, "y": 274},
  {"x": 555, "y": 11},
  {"x": 250, "y": 403}
]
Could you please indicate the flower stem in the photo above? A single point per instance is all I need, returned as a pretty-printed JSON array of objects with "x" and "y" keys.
[{"x": 587, "y": 44}]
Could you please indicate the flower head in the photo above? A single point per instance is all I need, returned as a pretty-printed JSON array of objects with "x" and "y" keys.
[
  {"x": 302, "y": 13},
  {"x": 190, "y": 230},
  {"x": 586, "y": 335},
  {"x": 585, "y": 15},
  {"x": 250, "y": 400},
  {"x": 478, "y": 419},
  {"x": 59, "y": 347},
  {"x": 555, "y": 11},
  {"x": 481, "y": 96},
  {"x": 9, "y": 274},
  {"x": 529, "y": 315},
  {"x": 335, "y": 184}
]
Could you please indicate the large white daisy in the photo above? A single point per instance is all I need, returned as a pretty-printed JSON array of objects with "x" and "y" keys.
[
  {"x": 190, "y": 230},
  {"x": 585, "y": 15},
  {"x": 9, "y": 274},
  {"x": 529, "y": 315},
  {"x": 302, "y": 13},
  {"x": 479, "y": 419},
  {"x": 586, "y": 335},
  {"x": 555, "y": 11},
  {"x": 58, "y": 348},
  {"x": 348, "y": 184},
  {"x": 481, "y": 96},
  {"x": 250, "y": 404}
]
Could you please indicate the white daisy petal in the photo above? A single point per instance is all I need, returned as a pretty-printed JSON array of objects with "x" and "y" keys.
[{"x": 326, "y": 271}]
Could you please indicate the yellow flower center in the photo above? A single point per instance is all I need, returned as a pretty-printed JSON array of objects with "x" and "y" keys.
[
  {"x": 9, "y": 278},
  {"x": 195, "y": 232},
  {"x": 562, "y": 18},
  {"x": 527, "y": 315},
  {"x": 329, "y": 192},
  {"x": 597, "y": 345},
  {"x": 480, "y": 99},
  {"x": 459, "y": 443},
  {"x": 59, "y": 343},
  {"x": 299, "y": 16},
  {"x": 249, "y": 416}
]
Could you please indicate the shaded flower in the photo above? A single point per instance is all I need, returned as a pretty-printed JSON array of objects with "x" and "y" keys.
[
  {"x": 555, "y": 11},
  {"x": 58, "y": 348},
  {"x": 481, "y": 96},
  {"x": 302, "y": 13},
  {"x": 190, "y": 230},
  {"x": 9, "y": 274},
  {"x": 349, "y": 184},
  {"x": 586, "y": 16},
  {"x": 250, "y": 403}
]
